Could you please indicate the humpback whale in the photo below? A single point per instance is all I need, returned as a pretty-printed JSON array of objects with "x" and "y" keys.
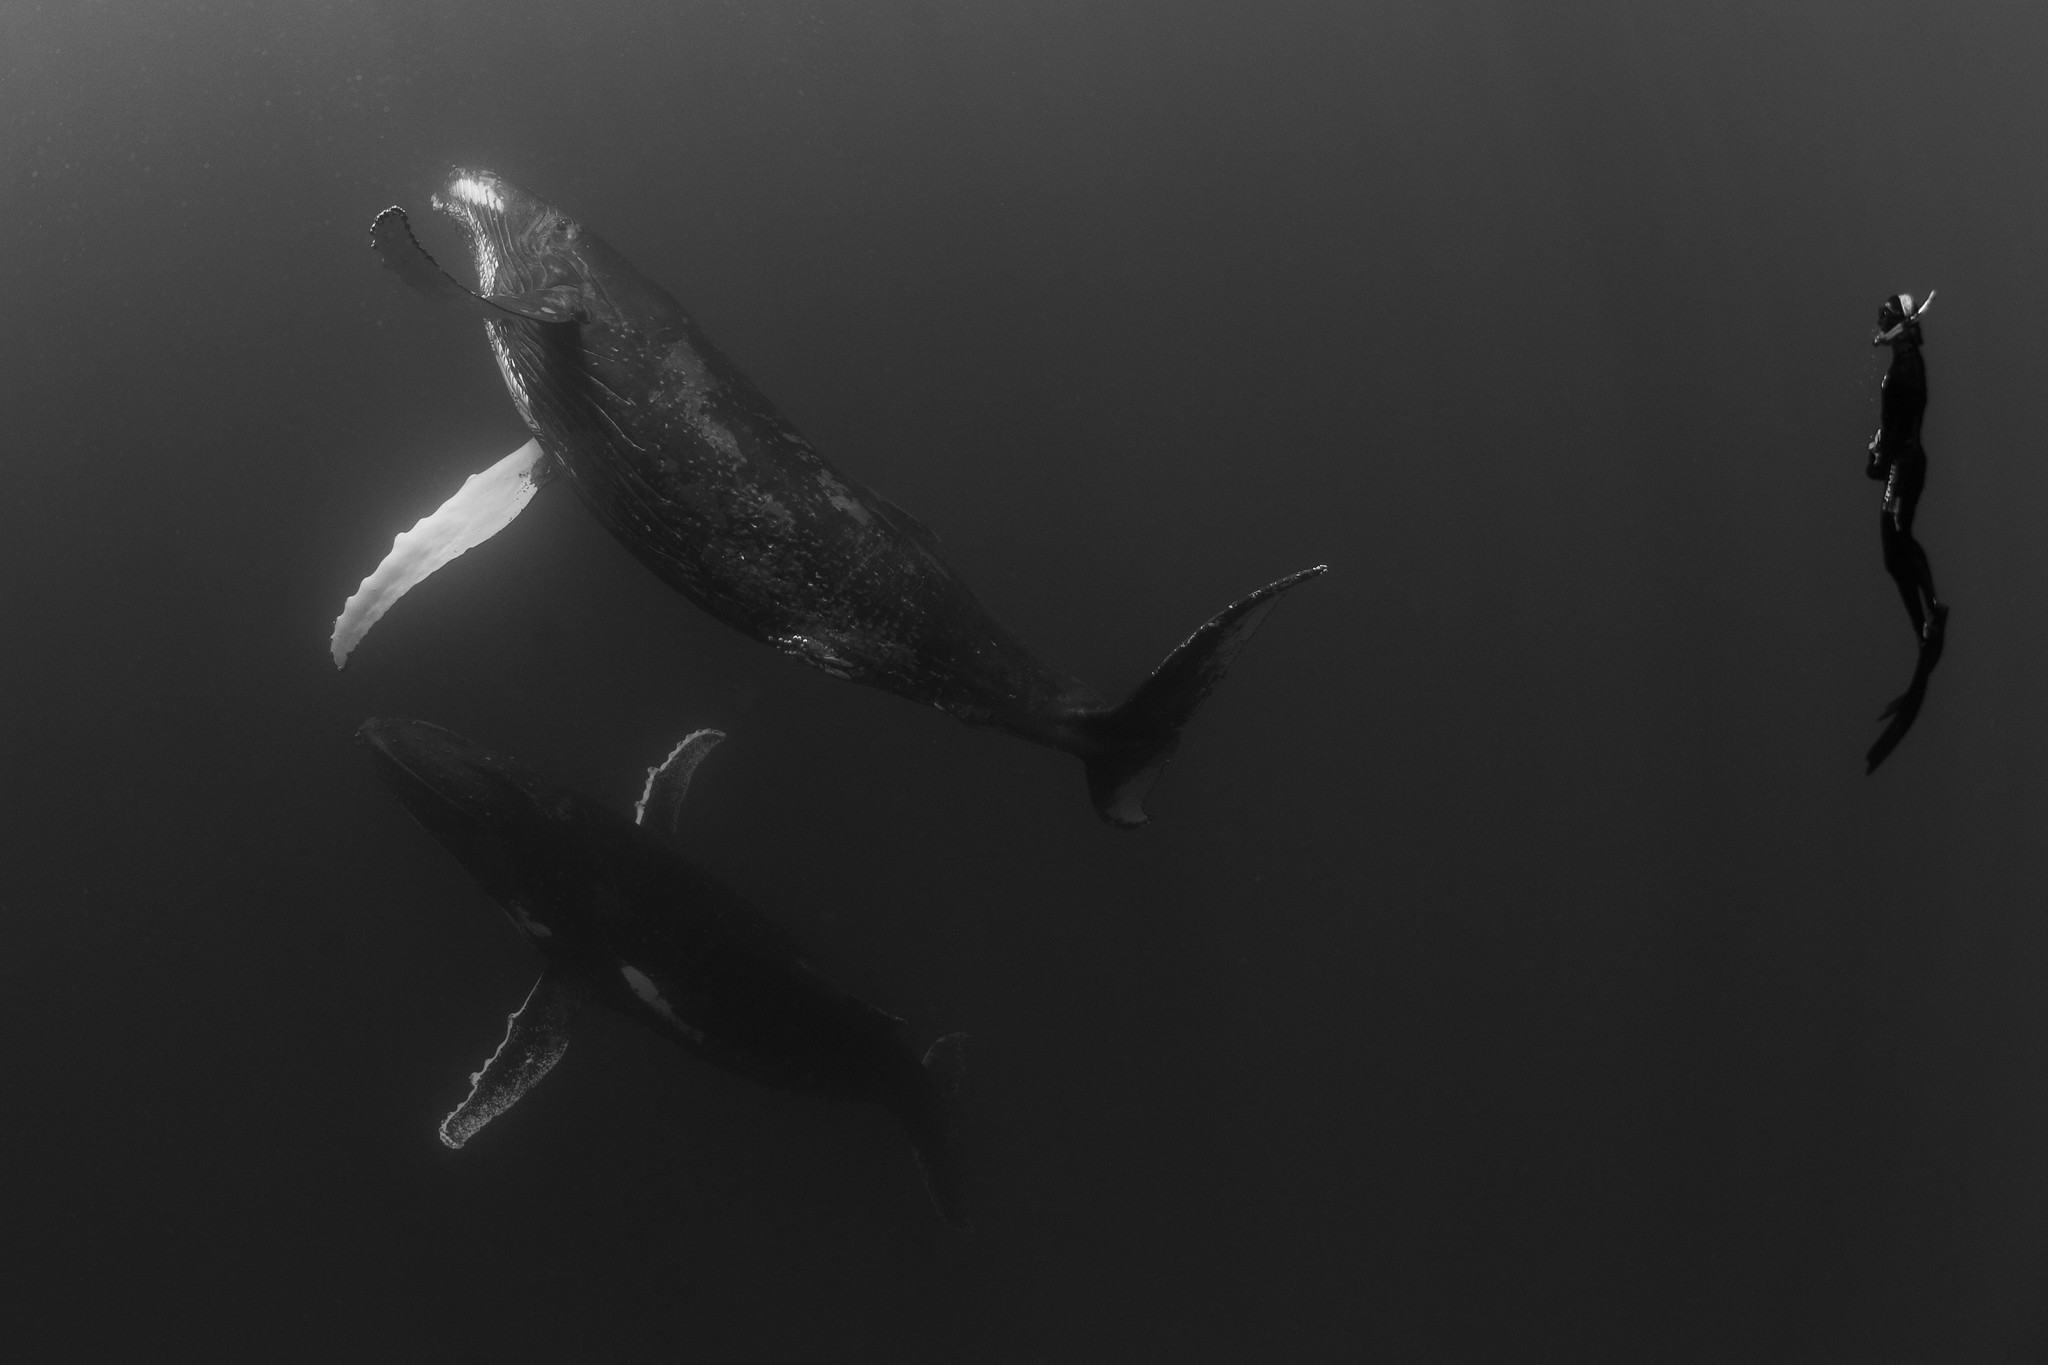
[
  {"x": 621, "y": 919},
  {"x": 694, "y": 471}
]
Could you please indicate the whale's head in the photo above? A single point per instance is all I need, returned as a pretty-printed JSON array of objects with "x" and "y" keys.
[
  {"x": 518, "y": 240},
  {"x": 444, "y": 779},
  {"x": 537, "y": 848}
]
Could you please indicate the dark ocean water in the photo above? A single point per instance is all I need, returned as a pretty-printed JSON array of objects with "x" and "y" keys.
[{"x": 1519, "y": 966}]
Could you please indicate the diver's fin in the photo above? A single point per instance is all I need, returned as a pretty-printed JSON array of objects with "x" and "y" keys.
[
  {"x": 1126, "y": 747},
  {"x": 535, "y": 1037},
  {"x": 482, "y": 507},
  {"x": 1905, "y": 708},
  {"x": 931, "y": 1126},
  {"x": 391, "y": 238},
  {"x": 669, "y": 781}
]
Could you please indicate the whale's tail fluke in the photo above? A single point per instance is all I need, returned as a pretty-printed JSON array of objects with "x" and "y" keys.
[
  {"x": 1126, "y": 746},
  {"x": 928, "y": 1114}
]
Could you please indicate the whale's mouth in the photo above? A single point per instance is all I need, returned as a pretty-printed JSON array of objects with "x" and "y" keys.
[
  {"x": 518, "y": 241},
  {"x": 435, "y": 772},
  {"x": 477, "y": 189},
  {"x": 491, "y": 211}
]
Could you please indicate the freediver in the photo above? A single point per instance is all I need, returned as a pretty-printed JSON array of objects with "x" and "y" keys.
[{"x": 1898, "y": 458}]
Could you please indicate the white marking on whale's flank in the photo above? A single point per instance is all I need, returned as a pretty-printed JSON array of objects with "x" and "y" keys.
[
  {"x": 644, "y": 987},
  {"x": 841, "y": 497},
  {"x": 720, "y": 436},
  {"x": 812, "y": 651}
]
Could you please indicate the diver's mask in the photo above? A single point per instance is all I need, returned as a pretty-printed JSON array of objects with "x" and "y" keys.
[{"x": 1897, "y": 315}]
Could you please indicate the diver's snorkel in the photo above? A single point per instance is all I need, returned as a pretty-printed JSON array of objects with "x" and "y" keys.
[{"x": 1901, "y": 305}]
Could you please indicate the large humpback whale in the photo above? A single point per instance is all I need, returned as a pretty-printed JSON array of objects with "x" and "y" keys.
[
  {"x": 623, "y": 919},
  {"x": 692, "y": 469}
]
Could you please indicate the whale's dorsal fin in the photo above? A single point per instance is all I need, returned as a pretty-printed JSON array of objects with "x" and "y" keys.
[
  {"x": 391, "y": 238},
  {"x": 669, "y": 781},
  {"x": 482, "y": 507},
  {"x": 536, "y": 1036}
]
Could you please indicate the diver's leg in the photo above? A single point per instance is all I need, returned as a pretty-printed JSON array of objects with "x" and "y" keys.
[
  {"x": 1895, "y": 534},
  {"x": 1923, "y": 583},
  {"x": 1904, "y": 504}
]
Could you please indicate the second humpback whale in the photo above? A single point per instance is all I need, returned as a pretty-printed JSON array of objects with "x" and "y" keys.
[
  {"x": 623, "y": 920},
  {"x": 692, "y": 469}
]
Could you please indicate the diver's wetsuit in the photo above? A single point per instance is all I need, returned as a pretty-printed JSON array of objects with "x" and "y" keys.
[{"x": 1897, "y": 457}]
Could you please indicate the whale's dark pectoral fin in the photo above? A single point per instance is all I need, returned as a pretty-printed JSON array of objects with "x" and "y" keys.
[
  {"x": 668, "y": 782},
  {"x": 1126, "y": 748},
  {"x": 482, "y": 507},
  {"x": 391, "y": 238},
  {"x": 930, "y": 1122},
  {"x": 1905, "y": 708},
  {"x": 536, "y": 1036}
]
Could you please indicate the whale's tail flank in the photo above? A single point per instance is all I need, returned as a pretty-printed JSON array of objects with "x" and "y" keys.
[
  {"x": 1127, "y": 746},
  {"x": 929, "y": 1117}
]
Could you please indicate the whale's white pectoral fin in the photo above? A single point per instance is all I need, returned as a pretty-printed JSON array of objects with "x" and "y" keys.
[
  {"x": 482, "y": 507},
  {"x": 535, "y": 1038},
  {"x": 669, "y": 781}
]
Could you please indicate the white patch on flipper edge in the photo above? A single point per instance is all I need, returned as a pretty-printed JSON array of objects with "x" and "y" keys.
[
  {"x": 842, "y": 498},
  {"x": 484, "y": 505},
  {"x": 644, "y": 987}
]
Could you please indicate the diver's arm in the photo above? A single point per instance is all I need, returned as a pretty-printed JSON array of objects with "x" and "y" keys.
[{"x": 1877, "y": 466}]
